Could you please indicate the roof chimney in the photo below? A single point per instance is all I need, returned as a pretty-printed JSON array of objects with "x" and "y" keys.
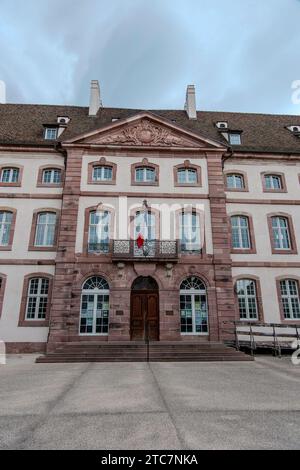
[
  {"x": 95, "y": 99},
  {"x": 2, "y": 92},
  {"x": 190, "y": 102}
]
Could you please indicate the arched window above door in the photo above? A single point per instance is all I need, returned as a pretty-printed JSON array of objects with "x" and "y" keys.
[
  {"x": 193, "y": 307},
  {"x": 94, "y": 312}
]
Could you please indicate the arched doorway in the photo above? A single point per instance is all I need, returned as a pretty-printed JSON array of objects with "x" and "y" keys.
[{"x": 144, "y": 316}]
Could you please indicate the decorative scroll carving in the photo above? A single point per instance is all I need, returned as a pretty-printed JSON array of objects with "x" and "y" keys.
[{"x": 147, "y": 133}]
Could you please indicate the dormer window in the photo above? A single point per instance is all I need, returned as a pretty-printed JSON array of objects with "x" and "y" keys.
[
  {"x": 234, "y": 138},
  {"x": 63, "y": 120},
  {"x": 222, "y": 125},
  {"x": 294, "y": 129},
  {"x": 50, "y": 133}
]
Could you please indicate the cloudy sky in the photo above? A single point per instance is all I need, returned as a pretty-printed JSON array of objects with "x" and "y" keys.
[{"x": 241, "y": 55}]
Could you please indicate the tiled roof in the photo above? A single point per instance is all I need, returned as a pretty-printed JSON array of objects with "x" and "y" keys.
[{"x": 23, "y": 125}]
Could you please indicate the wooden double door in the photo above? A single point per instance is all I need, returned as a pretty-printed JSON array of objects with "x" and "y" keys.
[{"x": 144, "y": 317}]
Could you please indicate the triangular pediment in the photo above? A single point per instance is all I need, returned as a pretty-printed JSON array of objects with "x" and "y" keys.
[{"x": 145, "y": 130}]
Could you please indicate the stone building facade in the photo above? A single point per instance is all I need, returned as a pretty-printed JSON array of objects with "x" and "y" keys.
[{"x": 214, "y": 197}]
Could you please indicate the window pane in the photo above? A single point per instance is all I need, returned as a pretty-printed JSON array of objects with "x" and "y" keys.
[
  {"x": 45, "y": 229},
  {"x": 37, "y": 300},
  {"x": 247, "y": 301}
]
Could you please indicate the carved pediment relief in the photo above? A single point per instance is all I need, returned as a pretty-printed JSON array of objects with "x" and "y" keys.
[{"x": 147, "y": 133}]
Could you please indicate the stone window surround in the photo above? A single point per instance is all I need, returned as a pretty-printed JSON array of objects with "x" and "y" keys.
[
  {"x": 144, "y": 164},
  {"x": 186, "y": 165},
  {"x": 36, "y": 212},
  {"x": 275, "y": 173},
  {"x": 259, "y": 299},
  {"x": 293, "y": 250},
  {"x": 3, "y": 278},
  {"x": 87, "y": 212},
  {"x": 12, "y": 227},
  {"x": 22, "y": 315},
  {"x": 236, "y": 172},
  {"x": 40, "y": 183},
  {"x": 281, "y": 311},
  {"x": 12, "y": 165},
  {"x": 102, "y": 162},
  {"x": 252, "y": 249}
]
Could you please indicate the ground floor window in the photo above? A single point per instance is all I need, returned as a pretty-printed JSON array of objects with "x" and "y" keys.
[
  {"x": 94, "y": 313},
  {"x": 193, "y": 306},
  {"x": 37, "y": 299},
  {"x": 290, "y": 299},
  {"x": 247, "y": 299}
]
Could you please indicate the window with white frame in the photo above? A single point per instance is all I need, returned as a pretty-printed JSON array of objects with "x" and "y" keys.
[
  {"x": 289, "y": 291},
  {"x": 234, "y": 138},
  {"x": 235, "y": 181},
  {"x": 94, "y": 312},
  {"x": 240, "y": 235},
  {"x": 52, "y": 176},
  {"x": 145, "y": 175},
  {"x": 247, "y": 299},
  {"x": 193, "y": 306},
  {"x": 187, "y": 176},
  {"x": 281, "y": 233},
  {"x": 51, "y": 133},
  {"x": 273, "y": 182},
  {"x": 45, "y": 229},
  {"x": 190, "y": 237},
  {"x": 145, "y": 226},
  {"x": 37, "y": 298},
  {"x": 99, "y": 229},
  {"x": 102, "y": 173},
  {"x": 10, "y": 175},
  {"x": 5, "y": 227}
]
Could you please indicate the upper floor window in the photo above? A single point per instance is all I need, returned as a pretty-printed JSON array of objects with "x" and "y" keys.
[
  {"x": 247, "y": 299},
  {"x": 234, "y": 138},
  {"x": 187, "y": 176},
  {"x": 235, "y": 181},
  {"x": 144, "y": 224},
  {"x": 145, "y": 175},
  {"x": 240, "y": 234},
  {"x": 45, "y": 229},
  {"x": 289, "y": 292},
  {"x": 190, "y": 231},
  {"x": 37, "y": 298},
  {"x": 51, "y": 133},
  {"x": 102, "y": 173},
  {"x": 273, "y": 182},
  {"x": 5, "y": 227},
  {"x": 281, "y": 234},
  {"x": 51, "y": 176},
  {"x": 10, "y": 175},
  {"x": 99, "y": 230}
]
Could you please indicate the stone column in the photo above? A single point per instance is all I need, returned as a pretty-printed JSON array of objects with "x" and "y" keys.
[
  {"x": 60, "y": 317},
  {"x": 226, "y": 307}
]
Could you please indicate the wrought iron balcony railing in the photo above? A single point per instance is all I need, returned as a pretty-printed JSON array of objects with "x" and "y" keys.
[{"x": 154, "y": 249}]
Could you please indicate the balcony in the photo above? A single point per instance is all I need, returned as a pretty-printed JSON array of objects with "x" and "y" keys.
[{"x": 154, "y": 250}]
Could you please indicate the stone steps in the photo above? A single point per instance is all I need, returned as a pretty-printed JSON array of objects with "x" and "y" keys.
[{"x": 137, "y": 352}]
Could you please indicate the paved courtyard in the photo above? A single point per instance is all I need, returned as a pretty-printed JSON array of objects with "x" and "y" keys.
[{"x": 156, "y": 406}]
